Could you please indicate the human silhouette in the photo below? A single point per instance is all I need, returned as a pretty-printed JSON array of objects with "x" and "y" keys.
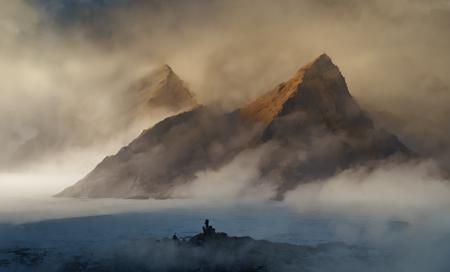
[{"x": 207, "y": 229}]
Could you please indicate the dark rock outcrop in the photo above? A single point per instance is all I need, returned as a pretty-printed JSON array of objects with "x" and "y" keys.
[{"x": 206, "y": 251}]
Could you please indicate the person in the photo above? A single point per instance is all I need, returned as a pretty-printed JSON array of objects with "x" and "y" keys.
[
  {"x": 175, "y": 237},
  {"x": 207, "y": 229}
]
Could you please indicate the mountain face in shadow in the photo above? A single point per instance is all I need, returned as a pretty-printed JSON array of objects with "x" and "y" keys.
[
  {"x": 167, "y": 155},
  {"x": 314, "y": 127},
  {"x": 318, "y": 127}
]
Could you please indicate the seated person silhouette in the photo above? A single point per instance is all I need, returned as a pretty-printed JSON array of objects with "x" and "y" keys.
[{"x": 207, "y": 229}]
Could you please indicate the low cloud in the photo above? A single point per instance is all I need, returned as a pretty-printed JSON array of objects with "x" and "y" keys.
[
  {"x": 239, "y": 180},
  {"x": 65, "y": 62},
  {"x": 391, "y": 187}
]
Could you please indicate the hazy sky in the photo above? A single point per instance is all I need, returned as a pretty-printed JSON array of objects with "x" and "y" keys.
[
  {"x": 65, "y": 65},
  {"x": 63, "y": 62}
]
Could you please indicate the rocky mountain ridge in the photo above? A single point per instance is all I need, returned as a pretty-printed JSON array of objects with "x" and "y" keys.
[{"x": 313, "y": 124}]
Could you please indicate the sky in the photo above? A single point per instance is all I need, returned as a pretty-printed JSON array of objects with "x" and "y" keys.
[{"x": 67, "y": 64}]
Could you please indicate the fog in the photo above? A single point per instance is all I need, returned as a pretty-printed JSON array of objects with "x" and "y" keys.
[
  {"x": 396, "y": 216},
  {"x": 390, "y": 188},
  {"x": 66, "y": 66},
  {"x": 61, "y": 94}
]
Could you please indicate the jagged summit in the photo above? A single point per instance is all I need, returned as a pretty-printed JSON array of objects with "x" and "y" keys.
[
  {"x": 164, "y": 73},
  {"x": 318, "y": 85},
  {"x": 163, "y": 89},
  {"x": 165, "y": 68},
  {"x": 322, "y": 59}
]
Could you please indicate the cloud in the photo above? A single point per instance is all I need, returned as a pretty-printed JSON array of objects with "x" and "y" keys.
[
  {"x": 66, "y": 61},
  {"x": 239, "y": 180},
  {"x": 397, "y": 209},
  {"x": 61, "y": 93},
  {"x": 390, "y": 190}
]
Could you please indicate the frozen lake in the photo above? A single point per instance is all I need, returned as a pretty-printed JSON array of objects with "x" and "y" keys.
[
  {"x": 413, "y": 239},
  {"x": 43, "y": 222}
]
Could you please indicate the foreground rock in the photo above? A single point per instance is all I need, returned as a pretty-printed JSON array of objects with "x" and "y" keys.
[
  {"x": 207, "y": 251},
  {"x": 311, "y": 123}
]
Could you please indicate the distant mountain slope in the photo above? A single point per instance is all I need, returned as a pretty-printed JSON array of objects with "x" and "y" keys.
[
  {"x": 315, "y": 127},
  {"x": 167, "y": 155},
  {"x": 130, "y": 110},
  {"x": 160, "y": 89}
]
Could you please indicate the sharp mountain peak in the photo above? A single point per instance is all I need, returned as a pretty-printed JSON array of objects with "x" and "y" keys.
[
  {"x": 317, "y": 85},
  {"x": 164, "y": 70},
  {"x": 160, "y": 89},
  {"x": 312, "y": 113}
]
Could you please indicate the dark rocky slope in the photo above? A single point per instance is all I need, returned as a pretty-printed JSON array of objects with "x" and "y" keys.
[
  {"x": 318, "y": 127},
  {"x": 167, "y": 155},
  {"x": 311, "y": 121}
]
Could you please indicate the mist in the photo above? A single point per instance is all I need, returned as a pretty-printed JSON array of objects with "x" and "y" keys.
[
  {"x": 397, "y": 214},
  {"x": 67, "y": 65}
]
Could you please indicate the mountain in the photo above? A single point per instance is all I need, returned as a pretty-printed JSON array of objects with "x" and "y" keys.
[
  {"x": 318, "y": 126},
  {"x": 167, "y": 155},
  {"x": 158, "y": 94},
  {"x": 161, "y": 89},
  {"x": 314, "y": 127}
]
